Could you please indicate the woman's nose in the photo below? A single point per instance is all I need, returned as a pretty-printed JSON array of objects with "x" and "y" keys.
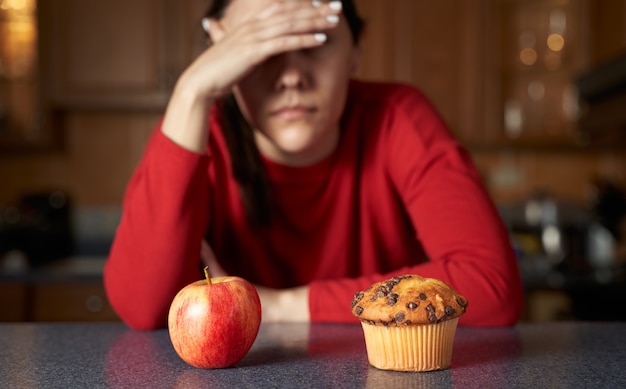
[{"x": 292, "y": 71}]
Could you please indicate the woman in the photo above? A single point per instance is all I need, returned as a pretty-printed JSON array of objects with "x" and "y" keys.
[{"x": 305, "y": 182}]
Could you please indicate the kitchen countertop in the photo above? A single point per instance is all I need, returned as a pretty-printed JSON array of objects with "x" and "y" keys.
[{"x": 72, "y": 355}]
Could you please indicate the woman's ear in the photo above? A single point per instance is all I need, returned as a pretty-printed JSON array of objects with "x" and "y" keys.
[{"x": 213, "y": 28}]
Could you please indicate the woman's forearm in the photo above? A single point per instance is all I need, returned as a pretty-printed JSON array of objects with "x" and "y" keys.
[
  {"x": 186, "y": 118},
  {"x": 157, "y": 244}
]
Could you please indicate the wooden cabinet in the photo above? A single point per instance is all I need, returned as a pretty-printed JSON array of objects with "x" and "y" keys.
[
  {"x": 607, "y": 32},
  {"x": 541, "y": 48},
  {"x": 79, "y": 300},
  {"x": 472, "y": 58},
  {"x": 13, "y": 300},
  {"x": 19, "y": 91},
  {"x": 54, "y": 300},
  {"x": 130, "y": 55},
  {"x": 501, "y": 72},
  {"x": 117, "y": 53},
  {"x": 438, "y": 46}
]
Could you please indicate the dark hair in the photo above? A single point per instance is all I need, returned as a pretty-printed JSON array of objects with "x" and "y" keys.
[
  {"x": 244, "y": 154},
  {"x": 218, "y": 7}
]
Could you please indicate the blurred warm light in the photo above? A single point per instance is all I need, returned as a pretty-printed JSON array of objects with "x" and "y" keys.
[
  {"x": 513, "y": 118},
  {"x": 536, "y": 90},
  {"x": 18, "y": 36},
  {"x": 570, "y": 104},
  {"x": 18, "y": 6},
  {"x": 556, "y": 42},
  {"x": 19, "y": 49},
  {"x": 528, "y": 56},
  {"x": 558, "y": 21}
]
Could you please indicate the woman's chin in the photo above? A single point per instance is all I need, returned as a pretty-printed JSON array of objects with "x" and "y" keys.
[
  {"x": 296, "y": 145},
  {"x": 293, "y": 138},
  {"x": 291, "y": 143}
]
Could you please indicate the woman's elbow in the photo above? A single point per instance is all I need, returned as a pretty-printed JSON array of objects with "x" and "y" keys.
[
  {"x": 500, "y": 308},
  {"x": 136, "y": 319},
  {"x": 134, "y": 313}
]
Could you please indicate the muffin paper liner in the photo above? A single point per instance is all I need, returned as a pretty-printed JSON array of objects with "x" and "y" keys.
[{"x": 410, "y": 348}]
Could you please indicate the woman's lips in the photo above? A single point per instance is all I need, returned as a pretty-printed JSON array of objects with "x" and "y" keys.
[{"x": 293, "y": 113}]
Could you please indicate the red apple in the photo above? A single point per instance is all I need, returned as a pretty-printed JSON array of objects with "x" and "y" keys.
[{"x": 212, "y": 323}]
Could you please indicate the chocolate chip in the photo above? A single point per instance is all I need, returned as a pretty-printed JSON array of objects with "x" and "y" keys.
[
  {"x": 393, "y": 299},
  {"x": 383, "y": 289},
  {"x": 432, "y": 318},
  {"x": 357, "y": 298},
  {"x": 391, "y": 284},
  {"x": 377, "y": 295},
  {"x": 399, "y": 318},
  {"x": 422, "y": 296},
  {"x": 358, "y": 310},
  {"x": 461, "y": 303},
  {"x": 412, "y": 305},
  {"x": 430, "y": 308},
  {"x": 449, "y": 310}
]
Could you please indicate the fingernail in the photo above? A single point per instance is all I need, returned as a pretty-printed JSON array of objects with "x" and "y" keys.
[
  {"x": 320, "y": 37},
  {"x": 316, "y": 3},
  {"x": 332, "y": 18},
  {"x": 335, "y": 5},
  {"x": 206, "y": 24}
]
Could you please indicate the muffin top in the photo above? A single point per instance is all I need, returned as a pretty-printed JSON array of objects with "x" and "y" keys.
[{"x": 406, "y": 300}]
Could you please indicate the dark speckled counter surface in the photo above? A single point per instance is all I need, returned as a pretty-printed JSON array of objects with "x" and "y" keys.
[{"x": 551, "y": 355}]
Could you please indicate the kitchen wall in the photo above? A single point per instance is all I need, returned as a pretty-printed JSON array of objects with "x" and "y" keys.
[
  {"x": 454, "y": 50},
  {"x": 102, "y": 144},
  {"x": 516, "y": 175}
]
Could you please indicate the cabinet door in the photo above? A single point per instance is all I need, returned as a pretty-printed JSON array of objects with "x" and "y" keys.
[
  {"x": 13, "y": 300},
  {"x": 108, "y": 53},
  {"x": 71, "y": 301},
  {"x": 607, "y": 31},
  {"x": 543, "y": 47},
  {"x": 438, "y": 46}
]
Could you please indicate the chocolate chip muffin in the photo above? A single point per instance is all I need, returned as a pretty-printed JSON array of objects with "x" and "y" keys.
[{"x": 409, "y": 322}]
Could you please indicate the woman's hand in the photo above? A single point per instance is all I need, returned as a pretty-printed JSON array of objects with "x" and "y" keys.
[
  {"x": 284, "y": 305},
  {"x": 248, "y": 34}
]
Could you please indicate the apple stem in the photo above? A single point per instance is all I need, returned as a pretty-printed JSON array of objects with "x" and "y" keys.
[{"x": 207, "y": 275}]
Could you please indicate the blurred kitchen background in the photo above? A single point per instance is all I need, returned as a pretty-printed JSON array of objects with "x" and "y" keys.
[{"x": 536, "y": 89}]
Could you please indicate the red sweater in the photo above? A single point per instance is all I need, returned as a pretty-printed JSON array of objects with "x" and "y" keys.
[{"x": 398, "y": 195}]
